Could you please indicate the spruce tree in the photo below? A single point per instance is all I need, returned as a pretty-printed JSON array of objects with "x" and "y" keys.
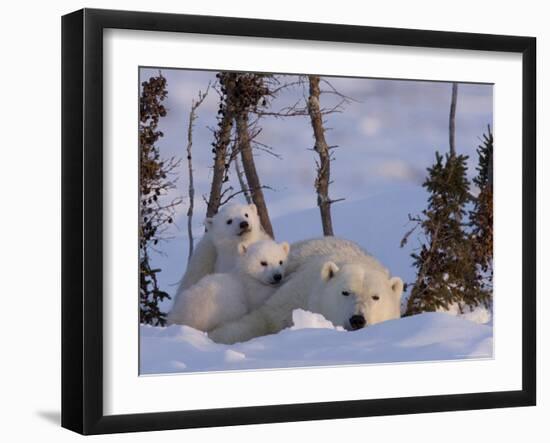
[
  {"x": 446, "y": 267},
  {"x": 156, "y": 213},
  {"x": 481, "y": 217}
]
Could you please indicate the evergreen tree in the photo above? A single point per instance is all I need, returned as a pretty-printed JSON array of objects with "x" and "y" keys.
[
  {"x": 481, "y": 217},
  {"x": 446, "y": 267},
  {"x": 156, "y": 214}
]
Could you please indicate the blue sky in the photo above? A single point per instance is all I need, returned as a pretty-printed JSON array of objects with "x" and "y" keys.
[{"x": 387, "y": 137}]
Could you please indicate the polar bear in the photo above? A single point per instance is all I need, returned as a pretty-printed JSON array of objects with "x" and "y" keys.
[
  {"x": 217, "y": 251},
  {"x": 330, "y": 276},
  {"x": 223, "y": 297}
]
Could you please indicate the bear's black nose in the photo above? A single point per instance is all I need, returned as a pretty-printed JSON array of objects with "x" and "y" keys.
[
  {"x": 243, "y": 225},
  {"x": 357, "y": 322},
  {"x": 277, "y": 277}
]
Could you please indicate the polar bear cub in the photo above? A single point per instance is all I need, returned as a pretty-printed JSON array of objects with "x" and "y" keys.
[
  {"x": 224, "y": 297},
  {"x": 218, "y": 250}
]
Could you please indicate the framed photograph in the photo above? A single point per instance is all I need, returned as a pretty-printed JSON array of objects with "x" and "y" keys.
[{"x": 269, "y": 221}]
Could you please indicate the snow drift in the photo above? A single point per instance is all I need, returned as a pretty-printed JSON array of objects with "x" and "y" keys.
[{"x": 314, "y": 341}]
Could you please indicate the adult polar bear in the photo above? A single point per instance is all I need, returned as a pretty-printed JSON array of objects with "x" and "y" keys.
[{"x": 330, "y": 276}]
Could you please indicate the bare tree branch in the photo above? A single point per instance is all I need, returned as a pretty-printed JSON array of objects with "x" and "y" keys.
[
  {"x": 275, "y": 91},
  {"x": 192, "y": 117},
  {"x": 335, "y": 91},
  {"x": 244, "y": 191},
  {"x": 417, "y": 220}
]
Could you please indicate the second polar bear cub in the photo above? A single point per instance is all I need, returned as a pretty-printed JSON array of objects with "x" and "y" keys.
[
  {"x": 224, "y": 297},
  {"x": 217, "y": 251}
]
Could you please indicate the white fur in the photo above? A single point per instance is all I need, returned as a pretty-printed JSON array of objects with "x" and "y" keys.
[
  {"x": 217, "y": 250},
  {"x": 223, "y": 297},
  {"x": 320, "y": 270}
]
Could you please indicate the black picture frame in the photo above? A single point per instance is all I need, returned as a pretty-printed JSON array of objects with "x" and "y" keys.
[{"x": 82, "y": 219}]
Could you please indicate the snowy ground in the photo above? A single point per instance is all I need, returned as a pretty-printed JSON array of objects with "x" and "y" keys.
[
  {"x": 377, "y": 223},
  {"x": 380, "y": 165},
  {"x": 314, "y": 341}
]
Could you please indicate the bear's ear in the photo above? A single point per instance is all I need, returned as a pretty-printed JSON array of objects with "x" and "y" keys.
[
  {"x": 285, "y": 246},
  {"x": 328, "y": 270},
  {"x": 396, "y": 286},
  {"x": 253, "y": 208},
  {"x": 208, "y": 222},
  {"x": 242, "y": 248}
]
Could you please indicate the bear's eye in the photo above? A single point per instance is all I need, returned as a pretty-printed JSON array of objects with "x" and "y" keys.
[
  {"x": 280, "y": 262},
  {"x": 263, "y": 263},
  {"x": 246, "y": 215},
  {"x": 346, "y": 293},
  {"x": 375, "y": 297},
  {"x": 229, "y": 221}
]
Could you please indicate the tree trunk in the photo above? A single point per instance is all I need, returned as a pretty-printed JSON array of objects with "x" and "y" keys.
[
  {"x": 323, "y": 166},
  {"x": 191, "y": 183},
  {"x": 249, "y": 167},
  {"x": 240, "y": 177},
  {"x": 452, "y": 116},
  {"x": 223, "y": 138},
  {"x": 192, "y": 117}
]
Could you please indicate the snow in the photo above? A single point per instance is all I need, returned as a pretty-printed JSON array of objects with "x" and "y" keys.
[
  {"x": 377, "y": 222},
  {"x": 304, "y": 319},
  {"x": 480, "y": 314},
  {"x": 314, "y": 341}
]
